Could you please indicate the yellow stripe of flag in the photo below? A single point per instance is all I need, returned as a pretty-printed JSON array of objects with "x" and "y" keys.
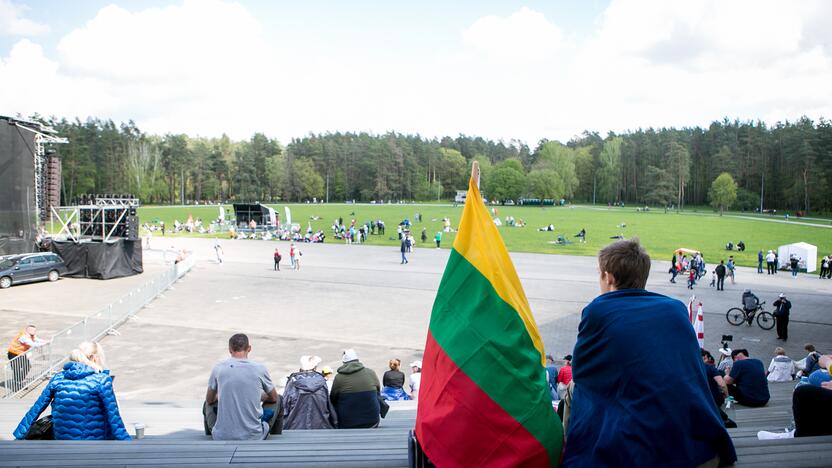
[{"x": 479, "y": 242}]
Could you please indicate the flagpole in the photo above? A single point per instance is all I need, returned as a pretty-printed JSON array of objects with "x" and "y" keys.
[{"x": 475, "y": 172}]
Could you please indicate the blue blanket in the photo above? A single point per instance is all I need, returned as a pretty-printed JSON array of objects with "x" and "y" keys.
[{"x": 641, "y": 397}]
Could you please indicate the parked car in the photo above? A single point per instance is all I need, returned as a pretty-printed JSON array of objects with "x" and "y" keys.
[{"x": 26, "y": 268}]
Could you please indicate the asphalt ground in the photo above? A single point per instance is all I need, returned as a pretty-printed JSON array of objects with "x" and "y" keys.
[{"x": 351, "y": 296}]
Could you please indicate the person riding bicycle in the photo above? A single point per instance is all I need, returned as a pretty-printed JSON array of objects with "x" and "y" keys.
[{"x": 750, "y": 303}]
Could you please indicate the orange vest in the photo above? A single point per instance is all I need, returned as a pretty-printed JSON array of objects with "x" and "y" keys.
[{"x": 16, "y": 347}]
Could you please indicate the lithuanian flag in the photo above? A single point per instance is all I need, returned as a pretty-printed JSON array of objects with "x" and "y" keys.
[{"x": 484, "y": 399}]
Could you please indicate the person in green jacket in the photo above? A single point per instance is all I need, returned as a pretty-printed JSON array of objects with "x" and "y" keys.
[{"x": 355, "y": 394}]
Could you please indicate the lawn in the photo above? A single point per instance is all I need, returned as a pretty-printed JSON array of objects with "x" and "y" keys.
[{"x": 660, "y": 232}]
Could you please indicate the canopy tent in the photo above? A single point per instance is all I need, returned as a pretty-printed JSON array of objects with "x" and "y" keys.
[
  {"x": 686, "y": 251},
  {"x": 807, "y": 253}
]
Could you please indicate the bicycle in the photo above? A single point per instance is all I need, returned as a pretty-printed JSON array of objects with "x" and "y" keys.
[{"x": 736, "y": 316}]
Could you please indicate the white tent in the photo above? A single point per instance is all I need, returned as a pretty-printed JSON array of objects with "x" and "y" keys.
[{"x": 807, "y": 253}]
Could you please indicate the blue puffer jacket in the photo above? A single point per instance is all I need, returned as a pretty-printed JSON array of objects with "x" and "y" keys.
[{"x": 84, "y": 406}]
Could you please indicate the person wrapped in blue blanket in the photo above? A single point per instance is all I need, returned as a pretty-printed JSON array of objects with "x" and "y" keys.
[
  {"x": 393, "y": 382},
  {"x": 84, "y": 406},
  {"x": 640, "y": 395}
]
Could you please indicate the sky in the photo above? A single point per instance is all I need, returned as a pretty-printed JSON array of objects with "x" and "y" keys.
[{"x": 505, "y": 70}]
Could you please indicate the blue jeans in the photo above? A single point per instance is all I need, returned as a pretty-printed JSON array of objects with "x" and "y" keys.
[{"x": 404, "y": 259}]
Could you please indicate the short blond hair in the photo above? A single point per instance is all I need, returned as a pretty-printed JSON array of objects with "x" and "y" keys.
[{"x": 85, "y": 354}]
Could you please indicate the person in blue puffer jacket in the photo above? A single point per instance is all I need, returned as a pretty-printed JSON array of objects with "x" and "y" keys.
[{"x": 84, "y": 406}]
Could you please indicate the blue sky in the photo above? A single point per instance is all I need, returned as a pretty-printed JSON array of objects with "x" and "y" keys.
[{"x": 501, "y": 69}]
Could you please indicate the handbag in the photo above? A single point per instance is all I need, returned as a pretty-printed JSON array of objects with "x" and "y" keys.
[
  {"x": 383, "y": 407},
  {"x": 41, "y": 430}
]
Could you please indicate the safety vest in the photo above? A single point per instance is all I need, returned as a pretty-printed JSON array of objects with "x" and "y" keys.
[{"x": 16, "y": 347}]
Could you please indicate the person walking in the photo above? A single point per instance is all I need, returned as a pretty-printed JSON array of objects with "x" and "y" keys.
[
  {"x": 424, "y": 235},
  {"x": 404, "y": 251},
  {"x": 771, "y": 260},
  {"x": 298, "y": 255},
  {"x": 794, "y": 264},
  {"x": 782, "y": 309},
  {"x": 720, "y": 276},
  {"x": 824, "y": 266},
  {"x": 760, "y": 258},
  {"x": 731, "y": 267},
  {"x": 438, "y": 238},
  {"x": 292, "y": 254},
  {"x": 218, "y": 250},
  {"x": 277, "y": 258}
]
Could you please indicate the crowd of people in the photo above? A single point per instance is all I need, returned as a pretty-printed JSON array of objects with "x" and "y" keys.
[
  {"x": 241, "y": 401},
  {"x": 609, "y": 411}
]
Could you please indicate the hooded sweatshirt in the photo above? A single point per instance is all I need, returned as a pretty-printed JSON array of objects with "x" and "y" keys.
[
  {"x": 307, "y": 402},
  {"x": 84, "y": 406},
  {"x": 355, "y": 394}
]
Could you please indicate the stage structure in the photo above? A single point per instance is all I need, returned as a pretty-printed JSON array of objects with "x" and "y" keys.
[
  {"x": 99, "y": 237},
  {"x": 30, "y": 181},
  {"x": 265, "y": 217}
]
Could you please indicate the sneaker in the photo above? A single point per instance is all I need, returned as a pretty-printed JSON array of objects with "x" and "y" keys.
[{"x": 766, "y": 435}]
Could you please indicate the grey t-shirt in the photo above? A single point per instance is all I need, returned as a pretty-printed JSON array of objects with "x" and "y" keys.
[{"x": 239, "y": 384}]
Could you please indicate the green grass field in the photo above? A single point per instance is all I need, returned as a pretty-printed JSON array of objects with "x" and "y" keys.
[{"x": 660, "y": 233}]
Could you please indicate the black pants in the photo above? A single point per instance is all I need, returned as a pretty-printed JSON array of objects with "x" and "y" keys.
[
  {"x": 782, "y": 326},
  {"x": 209, "y": 416},
  {"x": 812, "y": 408},
  {"x": 277, "y": 263},
  {"x": 720, "y": 283},
  {"x": 771, "y": 269}
]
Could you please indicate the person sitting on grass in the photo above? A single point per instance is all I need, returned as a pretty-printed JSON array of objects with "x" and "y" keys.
[
  {"x": 84, "y": 406},
  {"x": 747, "y": 381},
  {"x": 617, "y": 417},
  {"x": 251, "y": 408}
]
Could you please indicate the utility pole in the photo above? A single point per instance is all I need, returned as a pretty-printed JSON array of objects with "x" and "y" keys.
[
  {"x": 762, "y": 188},
  {"x": 594, "y": 180}
]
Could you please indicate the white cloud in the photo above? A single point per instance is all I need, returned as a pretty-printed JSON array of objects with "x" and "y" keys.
[
  {"x": 523, "y": 35},
  {"x": 210, "y": 67},
  {"x": 12, "y": 22}
]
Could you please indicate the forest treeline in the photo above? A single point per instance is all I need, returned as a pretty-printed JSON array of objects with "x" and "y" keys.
[{"x": 791, "y": 163}]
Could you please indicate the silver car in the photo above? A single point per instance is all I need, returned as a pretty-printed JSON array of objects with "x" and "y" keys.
[{"x": 27, "y": 268}]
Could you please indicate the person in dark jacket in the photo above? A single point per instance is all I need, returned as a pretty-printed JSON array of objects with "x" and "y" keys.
[
  {"x": 355, "y": 394},
  {"x": 720, "y": 276},
  {"x": 84, "y": 406},
  {"x": 782, "y": 308},
  {"x": 393, "y": 381},
  {"x": 306, "y": 398},
  {"x": 747, "y": 380}
]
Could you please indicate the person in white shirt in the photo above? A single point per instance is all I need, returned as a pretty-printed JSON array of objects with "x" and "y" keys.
[
  {"x": 782, "y": 367},
  {"x": 415, "y": 378}
]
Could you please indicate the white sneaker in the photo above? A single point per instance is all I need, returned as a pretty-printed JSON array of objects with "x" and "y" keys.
[{"x": 766, "y": 435}]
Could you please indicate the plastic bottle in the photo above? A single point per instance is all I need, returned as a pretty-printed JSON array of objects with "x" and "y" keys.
[{"x": 730, "y": 408}]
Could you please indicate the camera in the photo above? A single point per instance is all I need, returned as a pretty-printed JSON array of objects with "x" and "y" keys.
[{"x": 727, "y": 338}]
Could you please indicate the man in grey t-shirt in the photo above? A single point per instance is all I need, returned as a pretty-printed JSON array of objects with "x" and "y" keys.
[{"x": 241, "y": 402}]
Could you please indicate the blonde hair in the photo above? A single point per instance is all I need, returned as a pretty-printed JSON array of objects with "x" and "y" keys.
[
  {"x": 779, "y": 351},
  {"x": 89, "y": 353},
  {"x": 395, "y": 364}
]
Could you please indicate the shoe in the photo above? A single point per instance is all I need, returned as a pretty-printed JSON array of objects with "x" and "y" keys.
[
  {"x": 730, "y": 424},
  {"x": 766, "y": 435}
]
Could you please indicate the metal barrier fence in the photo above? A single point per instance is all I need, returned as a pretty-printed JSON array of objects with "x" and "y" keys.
[{"x": 28, "y": 369}]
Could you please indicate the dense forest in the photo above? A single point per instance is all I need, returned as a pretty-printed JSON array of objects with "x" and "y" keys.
[{"x": 791, "y": 163}]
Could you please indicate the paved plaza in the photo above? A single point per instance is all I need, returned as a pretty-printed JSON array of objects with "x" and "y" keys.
[{"x": 359, "y": 297}]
